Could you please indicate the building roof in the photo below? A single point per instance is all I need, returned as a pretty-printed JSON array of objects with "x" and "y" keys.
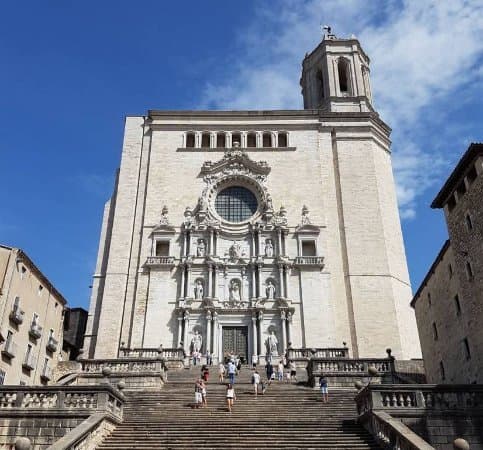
[
  {"x": 431, "y": 271},
  {"x": 23, "y": 257},
  {"x": 474, "y": 150}
]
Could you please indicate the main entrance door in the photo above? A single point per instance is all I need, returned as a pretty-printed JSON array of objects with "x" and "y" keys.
[{"x": 235, "y": 339}]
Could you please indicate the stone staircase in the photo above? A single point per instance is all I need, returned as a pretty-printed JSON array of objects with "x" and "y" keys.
[{"x": 287, "y": 416}]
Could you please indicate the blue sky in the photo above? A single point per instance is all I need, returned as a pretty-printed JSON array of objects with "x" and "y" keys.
[{"x": 71, "y": 71}]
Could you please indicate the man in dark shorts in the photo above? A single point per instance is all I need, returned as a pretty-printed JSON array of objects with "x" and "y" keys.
[{"x": 293, "y": 371}]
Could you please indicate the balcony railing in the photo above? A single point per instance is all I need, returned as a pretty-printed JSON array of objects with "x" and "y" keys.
[
  {"x": 164, "y": 353},
  {"x": 29, "y": 362},
  {"x": 46, "y": 374},
  {"x": 52, "y": 344},
  {"x": 307, "y": 353},
  {"x": 17, "y": 315},
  {"x": 314, "y": 261},
  {"x": 35, "y": 331},
  {"x": 10, "y": 349},
  {"x": 160, "y": 261}
]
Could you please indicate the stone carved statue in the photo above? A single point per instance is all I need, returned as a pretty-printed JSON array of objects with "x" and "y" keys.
[
  {"x": 164, "y": 216},
  {"x": 272, "y": 344},
  {"x": 270, "y": 290},
  {"x": 305, "y": 216},
  {"x": 269, "y": 203},
  {"x": 188, "y": 216},
  {"x": 235, "y": 251},
  {"x": 198, "y": 290},
  {"x": 269, "y": 248},
  {"x": 196, "y": 342},
  {"x": 201, "y": 248},
  {"x": 235, "y": 296},
  {"x": 203, "y": 204}
]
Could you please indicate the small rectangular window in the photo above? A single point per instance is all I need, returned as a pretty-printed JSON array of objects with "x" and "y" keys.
[
  {"x": 23, "y": 271},
  {"x": 451, "y": 203},
  {"x": 469, "y": 222},
  {"x": 308, "y": 248},
  {"x": 457, "y": 304},
  {"x": 441, "y": 370},
  {"x": 162, "y": 248},
  {"x": 466, "y": 346},
  {"x": 41, "y": 288},
  {"x": 429, "y": 298},
  {"x": 450, "y": 270},
  {"x": 435, "y": 332},
  {"x": 471, "y": 175},
  {"x": 469, "y": 271}
]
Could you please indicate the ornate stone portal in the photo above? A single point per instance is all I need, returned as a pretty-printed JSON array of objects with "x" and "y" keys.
[{"x": 236, "y": 259}]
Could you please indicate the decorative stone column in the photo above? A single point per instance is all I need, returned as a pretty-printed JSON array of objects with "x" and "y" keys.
[
  {"x": 216, "y": 335},
  {"x": 254, "y": 243},
  {"x": 188, "y": 281},
  {"x": 284, "y": 331},
  {"x": 259, "y": 269},
  {"x": 185, "y": 243},
  {"x": 180, "y": 329},
  {"x": 254, "y": 281},
  {"x": 259, "y": 243},
  {"x": 210, "y": 280},
  {"x": 216, "y": 271},
  {"x": 281, "y": 281},
  {"x": 255, "y": 333},
  {"x": 208, "y": 331},
  {"x": 212, "y": 243},
  {"x": 287, "y": 281},
  {"x": 183, "y": 286},
  {"x": 289, "y": 327},
  {"x": 186, "y": 321},
  {"x": 279, "y": 239},
  {"x": 260, "y": 325}
]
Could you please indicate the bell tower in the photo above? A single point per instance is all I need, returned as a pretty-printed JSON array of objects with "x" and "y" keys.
[{"x": 335, "y": 76}]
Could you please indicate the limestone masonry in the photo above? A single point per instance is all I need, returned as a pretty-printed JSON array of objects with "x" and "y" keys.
[{"x": 253, "y": 231}]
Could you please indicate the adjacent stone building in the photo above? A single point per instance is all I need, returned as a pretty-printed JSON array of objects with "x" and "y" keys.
[
  {"x": 449, "y": 302},
  {"x": 31, "y": 314},
  {"x": 248, "y": 231}
]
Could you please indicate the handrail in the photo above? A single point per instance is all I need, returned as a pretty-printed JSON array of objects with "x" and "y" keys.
[
  {"x": 88, "y": 434},
  {"x": 392, "y": 433}
]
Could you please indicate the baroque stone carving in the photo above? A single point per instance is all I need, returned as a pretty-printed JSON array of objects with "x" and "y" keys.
[
  {"x": 269, "y": 248},
  {"x": 201, "y": 248},
  {"x": 235, "y": 295},
  {"x": 272, "y": 344},
  {"x": 305, "y": 216},
  {"x": 198, "y": 289},
  {"x": 270, "y": 290},
  {"x": 196, "y": 342},
  {"x": 164, "y": 216}
]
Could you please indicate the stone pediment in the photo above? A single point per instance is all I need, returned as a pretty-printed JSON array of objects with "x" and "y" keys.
[
  {"x": 307, "y": 229},
  {"x": 235, "y": 161},
  {"x": 163, "y": 228}
]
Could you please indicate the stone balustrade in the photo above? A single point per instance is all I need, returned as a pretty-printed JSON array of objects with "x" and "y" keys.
[
  {"x": 316, "y": 261},
  {"x": 307, "y": 353},
  {"x": 172, "y": 357},
  {"x": 344, "y": 372},
  {"x": 439, "y": 414},
  {"x": 160, "y": 261}
]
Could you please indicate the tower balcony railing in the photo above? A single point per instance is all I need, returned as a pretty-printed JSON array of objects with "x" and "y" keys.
[
  {"x": 160, "y": 261},
  {"x": 17, "y": 315},
  {"x": 35, "y": 330},
  {"x": 9, "y": 349},
  {"x": 52, "y": 344},
  {"x": 314, "y": 261}
]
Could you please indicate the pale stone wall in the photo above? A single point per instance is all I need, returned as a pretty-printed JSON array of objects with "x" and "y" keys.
[
  {"x": 346, "y": 182},
  {"x": 21, "y": 279}
]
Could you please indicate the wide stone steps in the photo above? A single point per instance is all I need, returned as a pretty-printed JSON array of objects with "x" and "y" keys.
[{"x": 287, "y": 416}]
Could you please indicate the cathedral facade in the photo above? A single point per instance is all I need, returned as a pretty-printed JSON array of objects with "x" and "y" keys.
[{"x": 252, "y": 231}]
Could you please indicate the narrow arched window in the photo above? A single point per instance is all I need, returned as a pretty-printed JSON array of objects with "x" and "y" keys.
[
  {"x": 205, "y": 140},
  {"x": 282, "y": 139},
  {"x": 320, "y": 85},
  {"x": 221, "y": 140},
  {"x": 343, "y": 71},
  {"x": 267, "y": 139},
  {"x": 251, "y": 139},
  {"x": 190, "y": 140}
]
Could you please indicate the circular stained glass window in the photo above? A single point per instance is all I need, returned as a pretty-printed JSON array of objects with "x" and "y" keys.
[{"x": 236, "y": 204}]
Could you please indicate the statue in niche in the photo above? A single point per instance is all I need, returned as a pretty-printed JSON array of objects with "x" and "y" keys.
[
  {"x": 164, "y": 216},
  {"x": 305, "y": 216},
  {"x": 196, "y": 342},
  {"x": 235, "y": 251},
  {"x": 198, "y": 290},
  {"x": 201, "y": 248},
  {"x": 203, "y": 204},
  {"x": 270, "y": 290},
  {"x": 188, "y": 217},
  {"x": 235, "y": 296},
  {"x": 269, "y": 248},
  {"x": 269, "y": 203},
  {"x": 272, "y": 344}
]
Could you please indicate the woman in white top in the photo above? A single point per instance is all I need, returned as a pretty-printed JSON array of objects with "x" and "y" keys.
[
  {"x": 255, "y": 381},
  {"x": 221, "y": 372},
  {"x": 230, "y": 396}
]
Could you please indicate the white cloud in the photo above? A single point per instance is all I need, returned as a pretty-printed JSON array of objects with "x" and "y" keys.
[{"x": 421, "y": 54}]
